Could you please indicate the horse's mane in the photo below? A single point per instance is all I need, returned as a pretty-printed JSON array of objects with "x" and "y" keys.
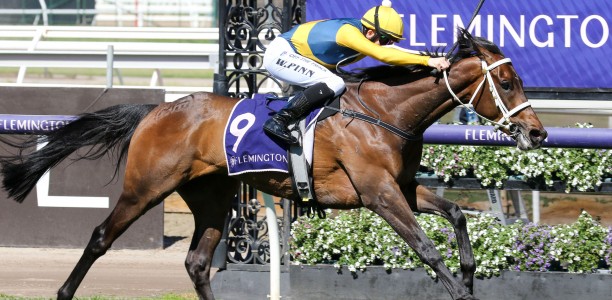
[{"x": 468, "y": 46}]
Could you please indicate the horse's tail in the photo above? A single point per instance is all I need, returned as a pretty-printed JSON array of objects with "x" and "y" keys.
[{"x": 107, "y": 130}]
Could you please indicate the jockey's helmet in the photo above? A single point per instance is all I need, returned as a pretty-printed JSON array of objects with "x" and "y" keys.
[{"x": 384, "y": 20}]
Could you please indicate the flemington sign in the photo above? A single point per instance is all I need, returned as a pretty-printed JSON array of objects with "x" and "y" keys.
[
  {"x": 552, "y": 43},
  {"x": 32, "y": 124},
  {"x": 558, "y": 137}
]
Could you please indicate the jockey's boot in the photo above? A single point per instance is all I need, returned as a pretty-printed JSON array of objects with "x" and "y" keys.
[{"x": 301, "y": 104}]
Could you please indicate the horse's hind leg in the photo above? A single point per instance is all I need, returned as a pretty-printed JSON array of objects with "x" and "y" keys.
[
  {"x": 209, "y": 199},
  {"x": 429, "y": 202},
  {"x": 136, "y": 199}
]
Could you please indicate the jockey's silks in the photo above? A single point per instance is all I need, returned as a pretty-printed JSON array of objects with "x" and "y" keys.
[{"x": 330, "y": 41}]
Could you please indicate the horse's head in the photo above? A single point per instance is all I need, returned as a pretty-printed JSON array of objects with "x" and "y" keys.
[{"x": 495, "y": 91}]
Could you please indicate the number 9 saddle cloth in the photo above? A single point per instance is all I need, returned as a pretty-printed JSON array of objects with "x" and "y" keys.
[{"x": 249, "y": 149}]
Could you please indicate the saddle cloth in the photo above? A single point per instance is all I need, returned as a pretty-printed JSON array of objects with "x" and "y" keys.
[{"x": 249, "y": 149}]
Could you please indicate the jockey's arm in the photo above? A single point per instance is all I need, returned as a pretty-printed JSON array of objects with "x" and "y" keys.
[{"x": 350, "y": 37}]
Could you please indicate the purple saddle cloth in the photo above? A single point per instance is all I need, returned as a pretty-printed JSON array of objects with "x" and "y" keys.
[{"x": 247, "y": 147}]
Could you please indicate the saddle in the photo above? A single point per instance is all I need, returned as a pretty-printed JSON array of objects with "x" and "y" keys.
[{"x": 249, "y": 149}]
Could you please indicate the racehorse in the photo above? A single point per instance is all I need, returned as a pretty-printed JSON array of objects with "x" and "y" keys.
[{"x": 178, "y": 146}]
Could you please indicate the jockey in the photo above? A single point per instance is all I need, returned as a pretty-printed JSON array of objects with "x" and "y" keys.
[{"x": 304, "y": 56}]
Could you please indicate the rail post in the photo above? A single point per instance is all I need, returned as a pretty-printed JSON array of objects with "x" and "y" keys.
[{"x": 110, "y": 57}]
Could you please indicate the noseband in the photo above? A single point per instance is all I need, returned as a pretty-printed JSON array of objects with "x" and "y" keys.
[{"x": 504, "y": 121}]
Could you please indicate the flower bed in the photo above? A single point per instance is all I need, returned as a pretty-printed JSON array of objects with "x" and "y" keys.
[
  {"x": 579, "y": 169},
  {"x": 359, "y": 238}
]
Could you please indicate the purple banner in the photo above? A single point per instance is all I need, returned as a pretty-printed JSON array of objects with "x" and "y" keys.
[
  {"x": 32, "y": 124},
  {"x": 597, "y": 138},
  {"x": 553, "y": 44}
]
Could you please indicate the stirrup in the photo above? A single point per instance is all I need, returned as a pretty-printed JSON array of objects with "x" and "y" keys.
[{"x": 289, "y": 140}]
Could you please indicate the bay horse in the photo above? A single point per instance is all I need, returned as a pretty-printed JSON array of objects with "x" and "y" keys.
[{"x": 178, "y": 146}]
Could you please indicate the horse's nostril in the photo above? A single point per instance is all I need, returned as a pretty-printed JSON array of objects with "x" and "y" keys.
[{"x": 537, "y": 135}]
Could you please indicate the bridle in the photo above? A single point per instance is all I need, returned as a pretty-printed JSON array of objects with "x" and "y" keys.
[{"x": 504, "y": 121}]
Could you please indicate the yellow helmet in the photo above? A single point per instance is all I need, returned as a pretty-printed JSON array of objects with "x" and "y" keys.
[{"x": 384, "y": 19}]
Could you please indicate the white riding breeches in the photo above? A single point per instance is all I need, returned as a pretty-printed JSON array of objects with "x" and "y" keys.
[{"x": 285, "y": 64}]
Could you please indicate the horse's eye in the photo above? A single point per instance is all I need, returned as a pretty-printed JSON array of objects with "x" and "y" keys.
[{"x": 505, "y": 84}]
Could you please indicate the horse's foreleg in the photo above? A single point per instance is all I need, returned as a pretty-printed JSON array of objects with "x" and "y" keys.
[
  {"x": 429, "y": 202},
  {"x": 209, "y": 199},
  {"x": 127, "y": 210},
  {"x": 388, "y": 201}
]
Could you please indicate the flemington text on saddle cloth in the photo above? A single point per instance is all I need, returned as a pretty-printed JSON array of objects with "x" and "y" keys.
[{"x": 248, "y": 148}]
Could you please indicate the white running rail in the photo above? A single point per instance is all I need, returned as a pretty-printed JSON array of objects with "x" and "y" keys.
[{"x": 189, "y": 13}]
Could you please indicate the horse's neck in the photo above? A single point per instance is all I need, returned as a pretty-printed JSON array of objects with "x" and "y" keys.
[
  {"x": 415, "y": 104},
  {"x": 411, "y": 107},
  {"x": 429, "y": 99},
  {"x": 425, "y": 106}
]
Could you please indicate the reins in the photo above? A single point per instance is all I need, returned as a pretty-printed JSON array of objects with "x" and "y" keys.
[
  {"x": 363, "y": 117},
  {"x": 374, "y": 120}
]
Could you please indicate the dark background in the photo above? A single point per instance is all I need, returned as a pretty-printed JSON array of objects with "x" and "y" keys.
[{"x": 26, "y": 224}]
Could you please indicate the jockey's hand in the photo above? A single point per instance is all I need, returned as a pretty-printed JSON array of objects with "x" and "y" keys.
[{"x": 439, "y": 63}]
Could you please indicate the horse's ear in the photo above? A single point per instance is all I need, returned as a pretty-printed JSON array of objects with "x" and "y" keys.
[
  {"x": 466, "y": 42},
  {"x": 464, "y": 38}
]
